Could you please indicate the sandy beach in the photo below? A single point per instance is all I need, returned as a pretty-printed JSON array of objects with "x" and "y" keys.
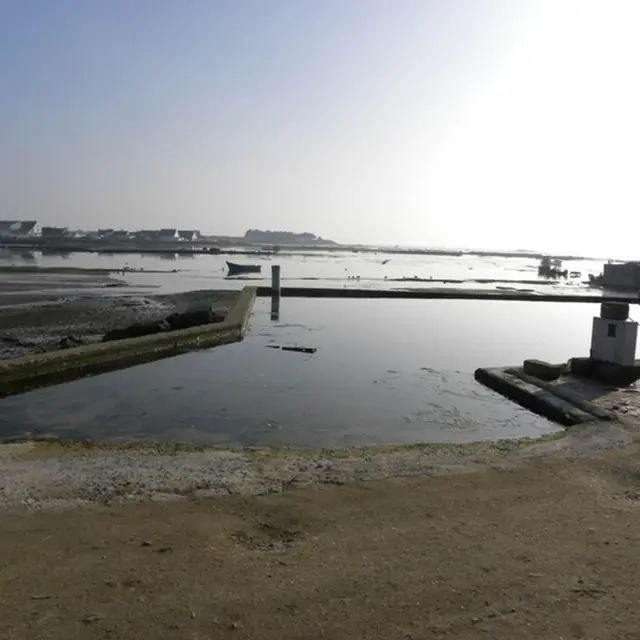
[{"x": 529, "y": 539}]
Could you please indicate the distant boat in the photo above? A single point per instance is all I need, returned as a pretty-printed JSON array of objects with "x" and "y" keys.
[
  {"x": 237, "y": 269},
  {"x": 551, "y": 268}
]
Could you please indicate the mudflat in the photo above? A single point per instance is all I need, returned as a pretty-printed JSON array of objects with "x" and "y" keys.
[
  {"x": 45, "y": 309},
  {"x": 544, "y": 546}
]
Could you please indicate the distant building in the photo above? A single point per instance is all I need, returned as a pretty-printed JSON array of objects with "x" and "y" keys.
[
  {"x": 189, "y": 235},
  {"x": 20, "y": 229},
  {"x": 54, "y": 232},
  {"x": 168, "y": 235},
  {"x": 146, "y": 235},
  {"x": 104, "y": 233},
  {"x": 76, "y": 233},
  {"x": 621, "y": 276},
  {"x": 57, "y": 233},
  {"x": 120, "y": 234}
]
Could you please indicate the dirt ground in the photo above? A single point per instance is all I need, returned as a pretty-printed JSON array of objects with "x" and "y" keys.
[{"x": 545, "y": 550}]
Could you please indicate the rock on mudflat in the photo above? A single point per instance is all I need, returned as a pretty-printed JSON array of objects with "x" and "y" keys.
[
  {"x": 135, "y": 331},
  {"x": 196, "y": 315}
]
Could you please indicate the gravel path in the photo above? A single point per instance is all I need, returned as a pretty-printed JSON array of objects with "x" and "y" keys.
[
  {"x": 45, "y": 474},
  {"x": 547, "y": 550}
]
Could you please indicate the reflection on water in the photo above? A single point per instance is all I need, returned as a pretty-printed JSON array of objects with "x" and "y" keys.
[
  {"x": 65, "y": 255},
  {"x": 174, "y": 256},
  {"x": 384, "y": 372},
  {"x": 275, "y": 308},
  {"x": 10, "y": 256}
]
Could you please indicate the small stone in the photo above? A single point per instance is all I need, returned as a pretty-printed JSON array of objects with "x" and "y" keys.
[{"x": 145, "y": 543}]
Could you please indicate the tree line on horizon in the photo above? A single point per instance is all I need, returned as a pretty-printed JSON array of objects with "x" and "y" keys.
[{"x": 283, "y": 237}]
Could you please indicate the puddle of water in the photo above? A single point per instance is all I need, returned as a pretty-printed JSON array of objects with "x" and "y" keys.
[{"x": 385, "y": 371}]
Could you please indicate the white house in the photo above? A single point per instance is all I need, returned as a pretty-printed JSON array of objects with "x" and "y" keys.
[
  {"x": 189, "y": 235},
  {"x": 168, "y": 235},
  {"x": 120, "y": 234},
  {"x": 20, "y": 229}
]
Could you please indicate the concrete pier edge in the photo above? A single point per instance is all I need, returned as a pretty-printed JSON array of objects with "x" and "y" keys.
[
  {"x": 438, "y": 294},
  {"x": 25, "y": 372},
  {"x": 507, "y": 383}
]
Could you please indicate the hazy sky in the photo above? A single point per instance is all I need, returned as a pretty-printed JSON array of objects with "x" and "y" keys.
[{"x": 483, "y": 123}]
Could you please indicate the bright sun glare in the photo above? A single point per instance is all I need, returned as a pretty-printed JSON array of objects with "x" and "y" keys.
[{"x": 545, "y": 154}]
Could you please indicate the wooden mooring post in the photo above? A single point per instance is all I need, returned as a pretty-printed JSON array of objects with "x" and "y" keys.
[
  {"x": 275, "y": 279},
  {"x": 275, "y": 292}
]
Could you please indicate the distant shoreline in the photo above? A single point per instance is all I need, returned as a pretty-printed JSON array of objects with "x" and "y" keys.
[{"x": 79, "y": 246}]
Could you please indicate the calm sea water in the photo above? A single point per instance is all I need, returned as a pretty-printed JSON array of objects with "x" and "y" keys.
[
  {"x": 384, "y": 371},
  {"x": 310, "y": 269}
]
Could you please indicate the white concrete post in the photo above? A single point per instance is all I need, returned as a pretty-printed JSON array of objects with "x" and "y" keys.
[{"x": 614, "y": 336}]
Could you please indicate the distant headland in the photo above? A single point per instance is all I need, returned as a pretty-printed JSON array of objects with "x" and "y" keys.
[{"x": 257, "y": 236}]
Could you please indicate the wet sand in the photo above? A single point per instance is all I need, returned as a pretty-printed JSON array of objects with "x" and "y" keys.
[
  {"x": 19, "y": 285},
  {"x": 45, "y": 309}
]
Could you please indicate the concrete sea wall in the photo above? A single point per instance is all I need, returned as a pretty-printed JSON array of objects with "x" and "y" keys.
[{"x": 440, "y": 294}]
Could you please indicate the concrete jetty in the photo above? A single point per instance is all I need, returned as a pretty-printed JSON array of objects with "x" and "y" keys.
[
  {"x": 440, "y": 294},
  {"x": 596, "y": 388},
  {"x": 564, "y": 402}
]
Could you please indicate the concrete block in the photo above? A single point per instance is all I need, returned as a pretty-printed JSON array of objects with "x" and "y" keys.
[
  {"x": 614, "y": 310},
  {"x": 543, "y": 370}
]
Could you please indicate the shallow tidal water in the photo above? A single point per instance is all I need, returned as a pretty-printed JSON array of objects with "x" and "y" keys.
[
  {"x": 313, "y": 269},
  {"x": 385, "y": 371}
]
